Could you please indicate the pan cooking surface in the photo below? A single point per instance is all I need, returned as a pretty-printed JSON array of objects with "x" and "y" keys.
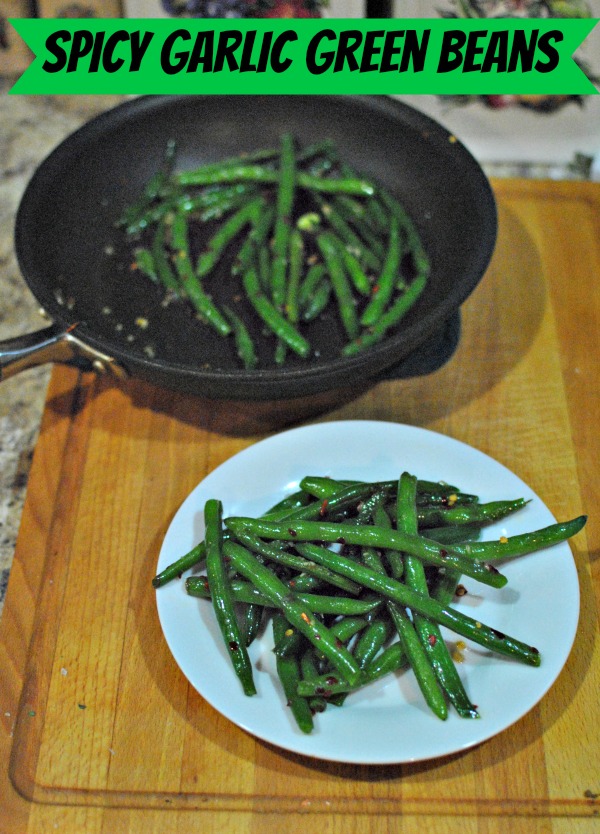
[{"x": 79, "y": 266}]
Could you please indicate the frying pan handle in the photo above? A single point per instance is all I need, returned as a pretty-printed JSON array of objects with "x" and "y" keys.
[{"x": 53, "y": 344}]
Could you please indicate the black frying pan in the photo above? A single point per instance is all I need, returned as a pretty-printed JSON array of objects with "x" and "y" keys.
[{"x": 76, "y": 265}]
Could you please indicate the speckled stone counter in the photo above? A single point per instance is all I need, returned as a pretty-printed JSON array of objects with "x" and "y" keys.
[{"x": 30, "y": 127}]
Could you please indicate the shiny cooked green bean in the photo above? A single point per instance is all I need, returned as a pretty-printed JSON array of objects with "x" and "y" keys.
[
  {"x": 428, "y": 631},
  {"x": 297, "y": 529},
  {"x": 222, "y": 598}
]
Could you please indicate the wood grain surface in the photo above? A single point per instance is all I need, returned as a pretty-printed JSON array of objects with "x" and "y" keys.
[{"x": 100, "y": 731}]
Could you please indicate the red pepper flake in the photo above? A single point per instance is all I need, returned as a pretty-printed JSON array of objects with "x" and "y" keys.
[
  {"x": 375, "y": 289},
  {"x": 443, "y": 554},
  {"x": 331, "y": 681},
  {"x": 432, "y": 639},
  {"x": 323, "y": 508}
]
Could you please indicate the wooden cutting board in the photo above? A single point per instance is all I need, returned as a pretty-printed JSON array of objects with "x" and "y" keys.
[{"x": 100, "y": 731}]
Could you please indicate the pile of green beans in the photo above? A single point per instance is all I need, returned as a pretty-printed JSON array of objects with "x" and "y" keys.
[
  {"x": 356, "y": 579},
  {"x": 299, "y": 235}
]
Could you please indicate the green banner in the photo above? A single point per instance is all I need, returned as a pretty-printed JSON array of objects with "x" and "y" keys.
[{"x": 333, "y": 56}]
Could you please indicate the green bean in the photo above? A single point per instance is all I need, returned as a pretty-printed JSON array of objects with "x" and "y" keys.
[
  {"x": 246, "y": 158},
  {"x": 296, "y": 256},
  {"x": 252, "y": 621},
  {"x": 390, "y": 318},
  {"x": 161, "y": 261},
  {"x": 377, "y": 215},
  {"x": 372, "y": 559},
  {"x": 190, "y": 282},
  {"x": 384, "y": 288},
  {"x": 356, "y": 273},
  {"x": 310, "y": 282},
  {"x": 243, "y": 340},
  {"x": 279, "y": 325},
  {"x": 153, "y": 187},
  {"x": 283, "y": 213},
  {"x": 144, "y": 262},
  {"x": 413, "y": 240},
  {"x": 260, "y": 174},
  {"x": 317, "y": 302},
  {"x": 345, "y": 629},
  {"x": 174, "y": 570},
  {"x": 481, "y": 514},
  {"x": 329, "y": 185},
  {"x": 296, "y": 499},
  {"x": 298, "y": 529},
  {"x": 393, "y": 557},
  {"x": 429, "y": 632},
  {"x": 299, "y": 615},
  {"x": 524, "y": 543},
  {"x": 221, "y": 595},
  {"x": 341, "y": 288},
  {"x": 280, "y": 352},
  {"x": 288, "y": 671},
  {"x": 309, "y": 670},
  {"x": 371, "y": 641},
  {"x": 454, "y": 535},
  {"x": 247, "y": 214},
  {"x": 263, "y": 266},
  {"x": 418, "y": 660}
]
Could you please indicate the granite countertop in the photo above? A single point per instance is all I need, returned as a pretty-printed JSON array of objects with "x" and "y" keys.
[{"x": 30, "y": 127}]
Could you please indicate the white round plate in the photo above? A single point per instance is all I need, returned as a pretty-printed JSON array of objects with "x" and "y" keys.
[{"x": 387, "y": 722}]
